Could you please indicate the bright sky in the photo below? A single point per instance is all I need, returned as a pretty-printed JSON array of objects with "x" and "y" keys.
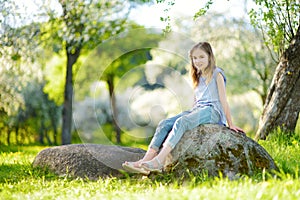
[
  {"x": 27, "y": 9},
  {"x": 149, "y": 16}
]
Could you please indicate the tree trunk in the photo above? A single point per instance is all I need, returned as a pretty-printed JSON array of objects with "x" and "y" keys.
[
  {"x": 17, "y": 134},
  {"x": 282, "y": 104},
  {"x": 48, "y": 138},
  {"x": 8, "y": 136},
  {"x": 54, "y": 128},
  {"x": 68, "y": 97},
  {"x": 110, "y": 83},
  {"x": 41, "y": 133}
]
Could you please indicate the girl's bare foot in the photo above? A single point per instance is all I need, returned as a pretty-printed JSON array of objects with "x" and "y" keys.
[
  {"x": 136, "y": 163},
  {"x": 154, "y": 165},
  {"x": 150, "y": 154},
  {"x": 129, "y": 167},
  {"x": 147, "y": 157}
]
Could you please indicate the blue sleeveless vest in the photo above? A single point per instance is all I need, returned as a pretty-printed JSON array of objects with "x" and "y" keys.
[{"x": 208, "y": 95}]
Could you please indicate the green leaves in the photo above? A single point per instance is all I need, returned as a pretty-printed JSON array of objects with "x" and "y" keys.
[
  {"x": 116, "y": 57},
  {"x": 169, "y": 3},
  {"x": 166, "y": 18},
  {"x": 278, "y": 20},
  {"x": 84, "y": 24},
  {"x": 202, "y": 11}
]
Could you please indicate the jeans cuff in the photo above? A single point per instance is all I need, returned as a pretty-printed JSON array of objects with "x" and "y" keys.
[
  {"x": 154, "y": 147},
  {"x": 172, "y": 146}
]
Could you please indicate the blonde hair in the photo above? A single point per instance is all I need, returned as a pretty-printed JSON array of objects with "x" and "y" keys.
[{"x": 205, "y": 46}]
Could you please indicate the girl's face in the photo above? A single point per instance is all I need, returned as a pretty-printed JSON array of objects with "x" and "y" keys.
[{"x": 200, "y": 59}]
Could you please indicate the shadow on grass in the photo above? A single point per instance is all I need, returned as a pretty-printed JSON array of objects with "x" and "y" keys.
[
  {"x": 12, "y": 173},
  {"x": 19, "y": 166},
  {"x": 29, "y": 149}
]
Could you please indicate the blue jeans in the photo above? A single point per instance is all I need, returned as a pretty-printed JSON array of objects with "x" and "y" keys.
[{"x": 169, "y": 131}]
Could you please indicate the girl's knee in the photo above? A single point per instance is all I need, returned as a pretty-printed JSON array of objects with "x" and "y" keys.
[
  {"x": 186, "y": 119},
  {"x": 182, "y": 121},
  {"x": 162, "y": 123},
  {"x": 165, "y": 122}
]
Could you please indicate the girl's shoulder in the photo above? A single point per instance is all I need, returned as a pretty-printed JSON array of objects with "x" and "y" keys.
[{"x": 217, "y": 71}]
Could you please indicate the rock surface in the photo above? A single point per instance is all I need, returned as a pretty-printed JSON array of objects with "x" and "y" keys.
[
  {"x": 215, "y": 149},
  {"x": 86, "y": 160},
  {"x": 209, "y": 148}
]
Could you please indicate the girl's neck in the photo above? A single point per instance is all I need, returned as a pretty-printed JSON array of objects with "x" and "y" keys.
[{"x": 205, "y": 73}]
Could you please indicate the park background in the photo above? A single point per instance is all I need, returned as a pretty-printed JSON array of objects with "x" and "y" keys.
[
  {"x": 129, "y": 64},
  {"x": 129, "y": 72}
]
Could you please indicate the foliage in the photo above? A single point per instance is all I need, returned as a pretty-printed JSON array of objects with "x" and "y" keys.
[
  {"x": 16, "y": 53},
  {"x": 112, "y": 59},
  {"x": 169, "y": 3},
  {"x": 10, "y": 86},
  {"x": 18, "y": 180},
  {"x": 55, "y": 79},
  {"x": 75, "y": 25},
  {"x": 85, "y": 24},
  {"x": 15, "y": 33},
  {"x": 115, "y": 57},
  {"x": 278, "y": 20},
  {"x": 41, "y": 112},
  {"x": 56, "y": 74},
  {"x": 19, "y": 54},
  {"x": 202, "y": 11},
  {"x": 279, "y": 142},
  {"x": 19, "y": 71},
  {"x": 245, "y": 59},
  {"x": 281, "y": 19},
  {"x": 23, "y": 103},
  {"x": 81, "y": 26},
  {"x": 37, "y": 121}
]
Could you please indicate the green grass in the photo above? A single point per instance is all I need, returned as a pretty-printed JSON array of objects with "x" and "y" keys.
[{"x": 19, "y": 180}]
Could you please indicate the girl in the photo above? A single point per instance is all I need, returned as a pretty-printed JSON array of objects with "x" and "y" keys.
[{"x": 210, "y": 107}]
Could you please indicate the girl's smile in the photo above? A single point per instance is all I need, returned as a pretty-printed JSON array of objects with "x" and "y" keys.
[{"x": 200, "y": 59}]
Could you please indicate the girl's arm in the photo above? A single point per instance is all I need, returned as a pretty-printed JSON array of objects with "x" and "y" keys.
[{"x": 224, "y": 103}]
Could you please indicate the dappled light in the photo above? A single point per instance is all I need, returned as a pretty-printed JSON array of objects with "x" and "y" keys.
[{"x": 87, "y": 85}]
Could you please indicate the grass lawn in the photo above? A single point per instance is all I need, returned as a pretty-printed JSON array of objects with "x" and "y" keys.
[{"x": 18, "y": 180}]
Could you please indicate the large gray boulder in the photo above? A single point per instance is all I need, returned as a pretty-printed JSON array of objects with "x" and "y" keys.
[
  {"x": 90, "y": 161},
  {"x": 215, "y": 149},
  {"x": 209, "y": 148}
]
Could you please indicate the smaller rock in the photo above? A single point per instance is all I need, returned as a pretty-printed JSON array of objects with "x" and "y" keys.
[{"x": 90, "y": 161}]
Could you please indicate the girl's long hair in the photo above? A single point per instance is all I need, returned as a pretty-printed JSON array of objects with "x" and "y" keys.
[{"x": 205, "y": 46}]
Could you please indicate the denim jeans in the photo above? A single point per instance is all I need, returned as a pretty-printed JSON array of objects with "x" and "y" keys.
[{"x": 169, "y": 131}]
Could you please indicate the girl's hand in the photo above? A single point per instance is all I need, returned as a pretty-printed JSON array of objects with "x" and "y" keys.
[{"x": 236, "y": 129}]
